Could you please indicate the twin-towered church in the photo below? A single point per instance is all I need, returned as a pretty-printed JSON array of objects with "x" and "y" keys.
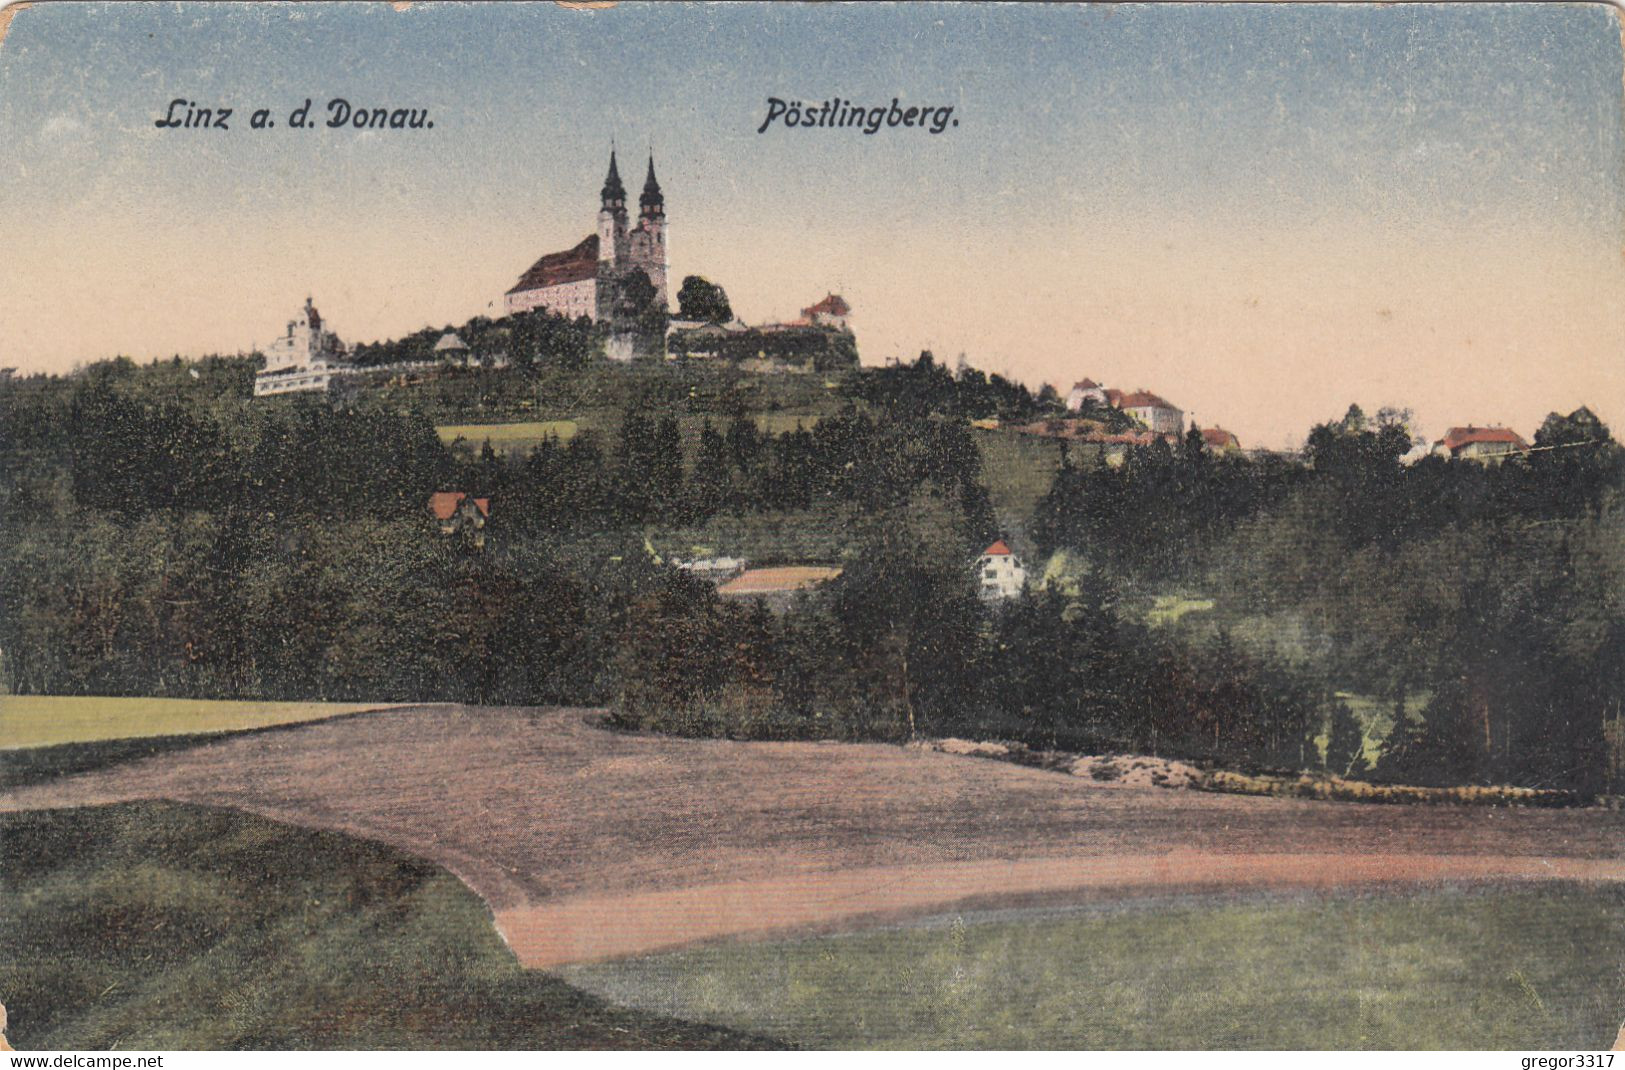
[{"x": 586, "y": 280}]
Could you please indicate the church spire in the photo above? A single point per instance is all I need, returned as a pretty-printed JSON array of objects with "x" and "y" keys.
[
  {"x": 613, "y": 193},
  {"x": 652, "y": 201}
]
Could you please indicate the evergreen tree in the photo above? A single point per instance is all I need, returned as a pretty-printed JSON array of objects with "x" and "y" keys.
[{"x": 1345, "y": 743}]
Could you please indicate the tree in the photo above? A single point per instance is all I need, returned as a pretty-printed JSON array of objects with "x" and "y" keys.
[
  {"x": 1580, "y": 427},
  {"x": 701, "y": 299},
  {"x": 912, "y": 623},
  {"x": 1345, "y": 744},
  {"x": 708, "y": 485}
]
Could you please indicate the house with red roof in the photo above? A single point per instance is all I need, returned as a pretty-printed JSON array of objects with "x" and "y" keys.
[
  {"x": 999, "y": 573},
  {"x": 832, "y": 311},
  {"x": 1487, "y": 444},
  {"x": 1218, "y": 440},
  {"x": 457, "y": 512},
  {"x": 1162, "y": 417}
]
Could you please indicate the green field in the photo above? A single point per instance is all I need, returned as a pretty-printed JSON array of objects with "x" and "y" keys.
[
  {"x": 45, "y": 720},
  {"x": 1493, "y": 968},
  {"x": 509, "y": 438},
  {"x": 157, "y": 926},
  {"x": 1018, "y": 470}
]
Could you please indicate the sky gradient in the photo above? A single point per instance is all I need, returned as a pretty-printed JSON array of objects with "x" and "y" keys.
[{"x": 1262, "y": 212}]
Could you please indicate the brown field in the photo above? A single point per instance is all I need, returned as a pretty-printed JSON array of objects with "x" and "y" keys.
[{"x": 589, "y": 844}]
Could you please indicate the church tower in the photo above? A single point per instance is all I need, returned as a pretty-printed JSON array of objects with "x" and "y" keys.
[
  {"x": 652, "y": 222},
  {"x": 612, "y": 219}
]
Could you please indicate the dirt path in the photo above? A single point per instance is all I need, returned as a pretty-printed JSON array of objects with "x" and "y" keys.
[{"x": 590, "y": 844}]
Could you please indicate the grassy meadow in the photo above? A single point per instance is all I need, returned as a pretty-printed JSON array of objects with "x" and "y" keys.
[
  {"x": 508, "y": 438},
  {"x": 159, "y": 926},
  {"x": 48, "y": 720},
  {"x": 1490, "y": 968},
  {"x": 524, "y": 436},
  {"x": 1018, "y": 470}
]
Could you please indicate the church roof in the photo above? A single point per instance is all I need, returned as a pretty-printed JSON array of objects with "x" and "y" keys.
[
  {"x": 555, "y": 269},
  {"x": 651, "y": 187},
  {"x": 612, "y": 181}
]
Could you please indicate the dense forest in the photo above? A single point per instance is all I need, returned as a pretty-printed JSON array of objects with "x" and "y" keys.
[{"x": 160, "y": 534}]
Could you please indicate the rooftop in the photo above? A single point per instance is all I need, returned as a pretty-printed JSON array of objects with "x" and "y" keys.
[
  {"x": 777, "y": 580},
  {"x": 444, "y": 504},
  {"x": 1144, "y": 399},
  {"x": 555, "y": 269},
  {"x": 1457, "y": 437}
]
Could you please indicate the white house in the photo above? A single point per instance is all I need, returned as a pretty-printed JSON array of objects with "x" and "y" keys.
[
  {"x": 1087, "y": 390},
  {"x": 1160, "y": 416},
  {"x": 307, "y": 357},
  {"x": 999, "y": 573}
]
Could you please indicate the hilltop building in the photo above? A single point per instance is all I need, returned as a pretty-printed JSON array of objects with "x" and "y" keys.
[
  {"x": 451, "y": 348},
  {"x": 1162, "y": 417},
  {"x": 306, "y": 357},
  {"x": 832, "y": 311},
  {"x": 1089, "y": 390},
  {"x": 1488, "y": 444},
  {"x": 586, "y": 279},
  {"x": 1218, "y": 440}
]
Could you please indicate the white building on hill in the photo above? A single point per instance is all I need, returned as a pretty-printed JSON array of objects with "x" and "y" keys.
[{"x": 306, "y": 357}]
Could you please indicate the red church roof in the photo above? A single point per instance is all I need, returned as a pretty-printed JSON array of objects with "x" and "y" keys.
[
  {"x": 1457, "y": 437},
  {"x": 554, "y": 269},
  {"x": 998, "y": 549}
]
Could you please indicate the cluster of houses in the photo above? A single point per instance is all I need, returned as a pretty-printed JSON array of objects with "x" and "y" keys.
[
  {"x": 1159, "y": 418},
  {"x": 308, "y": 357}
]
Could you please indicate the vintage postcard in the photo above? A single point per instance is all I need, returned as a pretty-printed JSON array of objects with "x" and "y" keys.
[{"x": 835, "y": 526}]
